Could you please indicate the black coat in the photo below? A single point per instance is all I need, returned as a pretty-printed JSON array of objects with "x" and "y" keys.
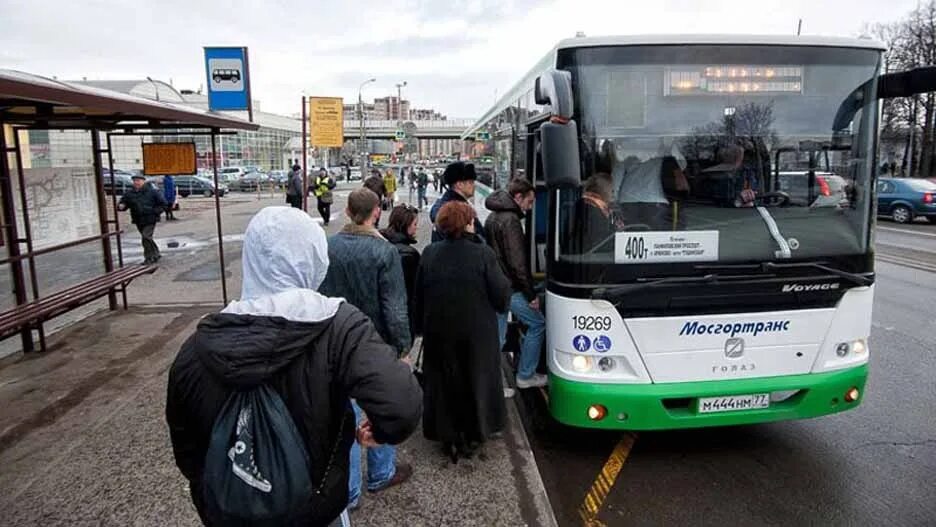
[
  {"x": 451, "y": 195},
  {"x": 504, "y": 228},
  {"x": 409, "y": 259},
  {"x": 460, "y": 288},
  {"x": 315, "y": 368},
  {"x": 145, "y": 204}
]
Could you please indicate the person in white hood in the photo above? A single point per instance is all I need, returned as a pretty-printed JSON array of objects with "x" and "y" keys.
[{"x": 316, "y": 352}]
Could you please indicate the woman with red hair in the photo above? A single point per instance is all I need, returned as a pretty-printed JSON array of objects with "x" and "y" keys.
[{"x": 459, "y": 290}]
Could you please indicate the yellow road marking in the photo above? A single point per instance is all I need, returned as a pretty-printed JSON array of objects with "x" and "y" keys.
[{"x": 604, "y": 482}]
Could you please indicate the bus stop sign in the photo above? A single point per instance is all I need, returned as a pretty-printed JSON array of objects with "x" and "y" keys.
[{"x": 228, "y": 79}]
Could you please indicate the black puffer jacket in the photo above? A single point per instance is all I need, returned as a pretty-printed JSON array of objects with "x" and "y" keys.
[
  {"x": 145, "y": 204},
  {"x": 409, "y": 259},
  {"x": 504, "y": 229},
  {"x": 315, "y": 368}
]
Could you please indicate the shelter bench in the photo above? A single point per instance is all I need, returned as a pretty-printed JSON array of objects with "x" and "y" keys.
[{"x": 25, "y": 316}]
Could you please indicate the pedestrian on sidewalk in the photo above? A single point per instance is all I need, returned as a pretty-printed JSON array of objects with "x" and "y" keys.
[
  {"x": 504, "y": 228},
  {"x": 324, "y": 184},
  {"x": 376, "y": 185},
  {"x": 169, "y": 193},
  {"x": 390, "y": 187},
  {"x": 411, "y": 185},
  {"x": 315, "y": 352},
  {"x": 146, "y": 205},
  {"x": 401, "y": 232},
  {"x": 460, "y": 179},
  {"x": 460, "y": 288},
  {"x": 422, "y": 182},
  {"x": 366, "y": 271},
  {"x": 294, "y": 188}
]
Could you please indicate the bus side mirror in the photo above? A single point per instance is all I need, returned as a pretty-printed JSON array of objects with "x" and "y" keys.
[
  {"x": 560, "y": 154},
  {"x": 907, "y": 83},
  {"x": 889, "y": 86},
  {"x": 555, "y": 89}
]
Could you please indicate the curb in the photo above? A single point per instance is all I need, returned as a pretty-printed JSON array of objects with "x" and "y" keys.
[{"x": 535, "y": 507}]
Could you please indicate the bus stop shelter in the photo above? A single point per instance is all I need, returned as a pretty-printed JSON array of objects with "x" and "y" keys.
[{"x": 30, "y": 102}]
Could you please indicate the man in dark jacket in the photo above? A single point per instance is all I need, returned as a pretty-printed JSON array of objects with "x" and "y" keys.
[
  {"x": 294, "y": 188},
  {"x": 146, "y": 205},
  {"x": 422, "y": 182},
  {"x": 316, "y": 352},
  {"x": 504, "y": 228},
  {"x": 365, "y": 270},
  {"x": 460, "y": 179},
  {"x": 375, "y": 182}
]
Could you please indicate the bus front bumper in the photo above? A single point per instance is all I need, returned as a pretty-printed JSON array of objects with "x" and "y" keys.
[{"x": 675, "y": 405}]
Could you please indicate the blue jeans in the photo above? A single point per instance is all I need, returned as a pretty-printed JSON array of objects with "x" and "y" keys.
[
  {"x": 381, "y": 465},
  {"x": 532, "y": 343},
  {"x": 421, "y": 192}
]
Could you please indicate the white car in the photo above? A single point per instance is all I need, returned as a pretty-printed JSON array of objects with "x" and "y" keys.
[{"x": 230, "y": 174}]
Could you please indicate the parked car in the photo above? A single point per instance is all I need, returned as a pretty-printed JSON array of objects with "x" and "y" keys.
[
  {"x": 196, "y": 185},
  {"x": 250, "y": 182},
  {"x": 231, "y": 174},
  {"x": 279, "y": 177},
  {"x": 906, "y": 198},
  {"x": 829, "y": 190},
  {"x": 123, "y": 182}
]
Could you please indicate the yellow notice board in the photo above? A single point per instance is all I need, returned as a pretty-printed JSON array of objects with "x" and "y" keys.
[
  {"x": 326, "y": 121},
  {"x": 160, "y": 159}
]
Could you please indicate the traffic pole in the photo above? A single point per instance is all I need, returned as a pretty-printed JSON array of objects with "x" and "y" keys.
[{"x": 305, "y": 172}]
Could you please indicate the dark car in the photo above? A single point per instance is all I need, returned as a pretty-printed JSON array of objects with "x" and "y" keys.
[
  {"x": 122, "y": 182},
  {"x": 250, "y": 181},
  {"x": 828, "y": 190},
  {"x": 196, "y": 186},
  {"x": 906, "y": 198}
]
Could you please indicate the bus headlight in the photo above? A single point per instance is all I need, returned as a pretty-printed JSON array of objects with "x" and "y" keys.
[
  {"x": 856, "y": 347},
  {"x": 582, "y": 363}
]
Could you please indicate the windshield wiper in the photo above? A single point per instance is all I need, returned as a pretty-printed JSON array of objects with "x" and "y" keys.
[
  {"x": 611, "y": 293},
  {"x": 856, "y": 279}
]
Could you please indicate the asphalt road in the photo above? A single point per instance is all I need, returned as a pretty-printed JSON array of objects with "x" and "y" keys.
[{"x": 875, "y": 465}]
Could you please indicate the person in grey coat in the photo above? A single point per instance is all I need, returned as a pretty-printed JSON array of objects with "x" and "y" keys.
[{"x": 294, "y": 187}]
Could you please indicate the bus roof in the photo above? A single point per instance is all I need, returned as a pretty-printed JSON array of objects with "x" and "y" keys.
[
  {"x": 749, "y": 40},
  {"x": 510, "y": 97}
]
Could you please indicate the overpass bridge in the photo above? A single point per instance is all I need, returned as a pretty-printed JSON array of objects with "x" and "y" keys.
[{"x": 444, "y": 129}]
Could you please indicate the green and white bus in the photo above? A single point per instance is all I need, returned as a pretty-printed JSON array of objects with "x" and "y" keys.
[{"x": 720, "y": 270}]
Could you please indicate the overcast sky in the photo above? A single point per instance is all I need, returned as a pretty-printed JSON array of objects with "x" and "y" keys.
[{"x": 456, "y": 55}]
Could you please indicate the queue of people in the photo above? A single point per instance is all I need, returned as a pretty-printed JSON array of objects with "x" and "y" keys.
[{"x": 312, "y": 361}]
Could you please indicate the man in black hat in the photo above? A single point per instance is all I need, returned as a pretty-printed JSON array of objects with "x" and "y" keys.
[
  {"x": 460, "y": 178},
  {"x": 146, "y": 204}
]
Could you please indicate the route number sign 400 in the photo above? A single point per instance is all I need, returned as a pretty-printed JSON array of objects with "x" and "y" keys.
[{"x": 636, "y": 248}]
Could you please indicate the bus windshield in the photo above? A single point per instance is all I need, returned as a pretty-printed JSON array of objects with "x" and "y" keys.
[{"x": 718, "y": 153}]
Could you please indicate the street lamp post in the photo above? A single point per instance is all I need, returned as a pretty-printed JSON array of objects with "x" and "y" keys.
[
  {"x": 363, "y": 152},
  {"x": 400, "y": 118}
]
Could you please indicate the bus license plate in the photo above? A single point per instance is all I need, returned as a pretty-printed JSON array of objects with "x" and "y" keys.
[{"x": 732, "y": 403}]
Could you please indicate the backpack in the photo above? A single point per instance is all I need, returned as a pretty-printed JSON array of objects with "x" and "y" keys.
[{"x": 257, "y": 466}]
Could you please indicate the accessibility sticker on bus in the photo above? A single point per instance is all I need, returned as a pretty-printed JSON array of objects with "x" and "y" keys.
[{"x": 665, "y": 246}]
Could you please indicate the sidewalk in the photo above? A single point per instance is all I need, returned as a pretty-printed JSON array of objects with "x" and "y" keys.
[{"x": 83, "y": 439}]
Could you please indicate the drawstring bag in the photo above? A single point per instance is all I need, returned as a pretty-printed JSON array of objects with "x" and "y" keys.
[{"x": 257, "y": 466}]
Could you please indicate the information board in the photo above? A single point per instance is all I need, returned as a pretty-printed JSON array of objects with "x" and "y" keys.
[
  {"x": 161, "y": 159},
  {"x": 326, "y": 121}
]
